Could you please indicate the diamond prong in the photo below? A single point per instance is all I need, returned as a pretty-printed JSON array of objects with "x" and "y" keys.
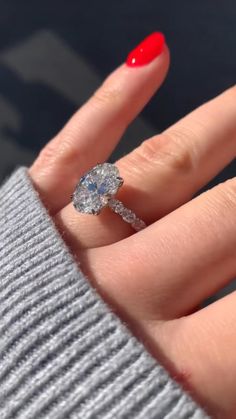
[{"x": 121, "y": 181}]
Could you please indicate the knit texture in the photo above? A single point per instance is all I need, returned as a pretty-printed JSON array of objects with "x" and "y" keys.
[{"x": 63, "y": 352}]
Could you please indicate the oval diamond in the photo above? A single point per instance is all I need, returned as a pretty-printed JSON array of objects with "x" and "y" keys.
[{"x": 96, "y": 187}]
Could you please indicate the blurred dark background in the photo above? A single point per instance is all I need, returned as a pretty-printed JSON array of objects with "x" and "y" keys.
[{"x": 53, "y": 54}]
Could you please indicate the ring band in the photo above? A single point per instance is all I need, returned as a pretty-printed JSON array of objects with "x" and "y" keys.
[{"x": 97, "y": 188}]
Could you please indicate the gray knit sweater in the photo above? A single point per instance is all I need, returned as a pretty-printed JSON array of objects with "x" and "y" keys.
[{"x": 63, "y": 352}]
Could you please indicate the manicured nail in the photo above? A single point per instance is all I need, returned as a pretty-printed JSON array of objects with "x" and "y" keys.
[{"x": 147, "y": 50}]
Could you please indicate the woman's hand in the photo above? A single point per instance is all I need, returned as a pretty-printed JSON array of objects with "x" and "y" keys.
[{"x": 157, "y": 278}]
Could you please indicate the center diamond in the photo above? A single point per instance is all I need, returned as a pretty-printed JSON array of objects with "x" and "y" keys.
[{"x": 96, "y": 187}]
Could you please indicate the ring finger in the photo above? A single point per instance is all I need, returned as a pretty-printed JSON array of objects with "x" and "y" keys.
[{"x": 162, "y": 173}]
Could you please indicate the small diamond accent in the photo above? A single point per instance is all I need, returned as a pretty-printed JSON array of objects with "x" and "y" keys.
[{"x": 127, "y": 215}]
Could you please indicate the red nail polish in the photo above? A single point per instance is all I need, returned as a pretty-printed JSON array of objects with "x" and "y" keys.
[{"x": 147, "y": 50}]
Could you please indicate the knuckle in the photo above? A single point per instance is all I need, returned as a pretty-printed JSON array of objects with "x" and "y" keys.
[
  {"x": 147, "y": 152},
  {"x": 179, "y": 151},
  {"x": 169, "y": 149},
  {"x": 140, "y": 160},
  {"x": 105, "y": 95},
  {"x": 48, "y": 153},
  {"x": 61, "y": 149}
]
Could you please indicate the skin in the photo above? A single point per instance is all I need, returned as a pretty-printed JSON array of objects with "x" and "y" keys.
[{"x": 156, "y": 279}]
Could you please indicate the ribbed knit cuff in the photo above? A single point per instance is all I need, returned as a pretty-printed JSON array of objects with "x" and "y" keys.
[{"x": 63, "y": 353}]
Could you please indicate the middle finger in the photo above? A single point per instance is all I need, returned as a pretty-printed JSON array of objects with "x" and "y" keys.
[{"x": 169, "y": 268}]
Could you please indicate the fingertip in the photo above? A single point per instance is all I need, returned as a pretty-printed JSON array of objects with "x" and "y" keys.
[{"x": 147, "y": 50}]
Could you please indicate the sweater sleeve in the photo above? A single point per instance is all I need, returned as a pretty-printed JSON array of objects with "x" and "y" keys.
[{"x": 63, "y": 352}]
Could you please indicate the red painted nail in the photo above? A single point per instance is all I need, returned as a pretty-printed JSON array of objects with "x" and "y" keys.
[{"x": 147, "y": 50}]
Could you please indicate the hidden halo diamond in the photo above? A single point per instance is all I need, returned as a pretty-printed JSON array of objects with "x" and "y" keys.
[{"x": 97, "y": 189}]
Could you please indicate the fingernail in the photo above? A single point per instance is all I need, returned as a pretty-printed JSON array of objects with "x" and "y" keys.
[{"x": 147, "y": 50}]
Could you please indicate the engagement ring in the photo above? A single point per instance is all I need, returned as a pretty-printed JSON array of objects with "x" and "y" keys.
[{"x": 97, "y": 189}]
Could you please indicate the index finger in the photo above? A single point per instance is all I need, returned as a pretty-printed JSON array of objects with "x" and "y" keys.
[{"x": 93, "y": 132}]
